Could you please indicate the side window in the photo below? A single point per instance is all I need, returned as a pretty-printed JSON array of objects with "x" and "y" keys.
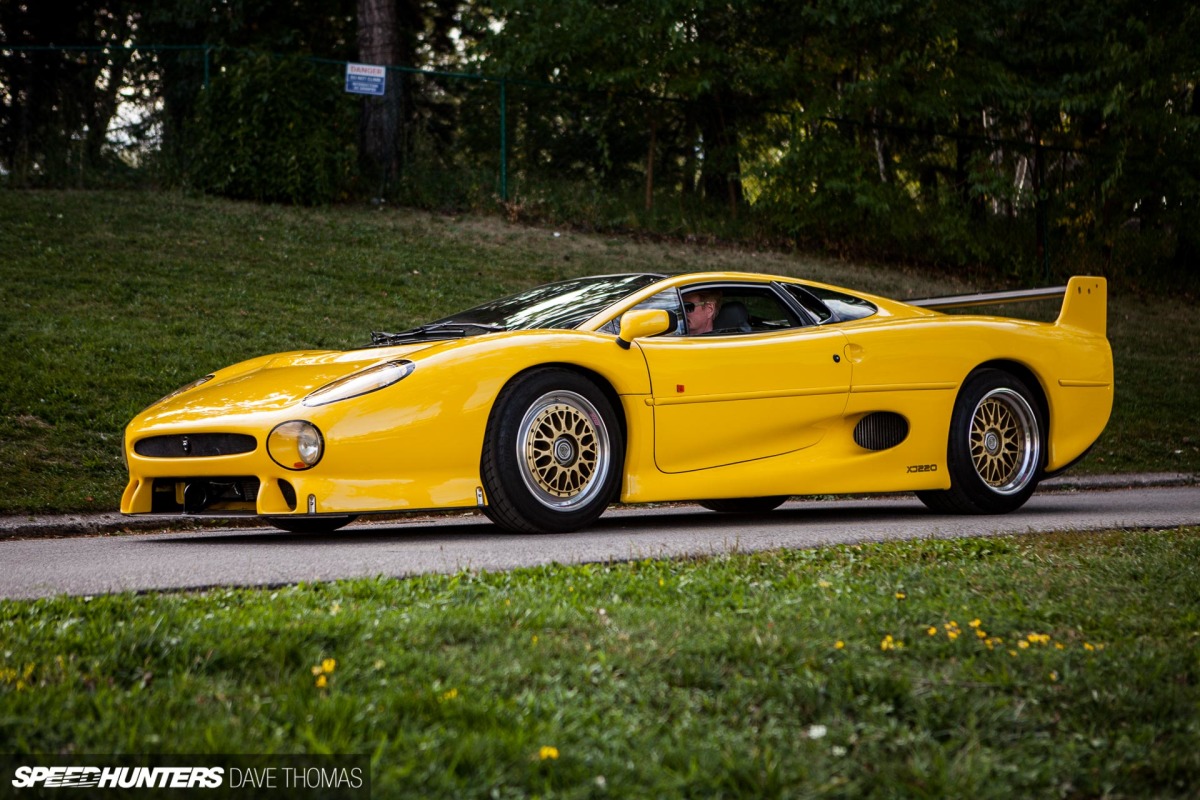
[
  {"x": 828, "y": 305},
  {"x": 667, "y": 300},
  {"x": 810, "y": 303},
  {"x": 726, "y": 309}
]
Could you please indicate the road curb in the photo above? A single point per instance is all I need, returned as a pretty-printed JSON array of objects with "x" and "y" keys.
[{"x": 50, "y": 526}]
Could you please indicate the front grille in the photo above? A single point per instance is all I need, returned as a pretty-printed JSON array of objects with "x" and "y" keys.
[
  {"x": 880, "y": 431},
  {"x": 195, "y": 445}
]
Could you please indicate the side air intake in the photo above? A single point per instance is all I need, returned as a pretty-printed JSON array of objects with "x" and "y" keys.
[{"x": 880, "y": 431}]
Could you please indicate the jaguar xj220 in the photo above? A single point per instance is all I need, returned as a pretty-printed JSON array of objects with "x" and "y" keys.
[{"x": 731, "y": 389}]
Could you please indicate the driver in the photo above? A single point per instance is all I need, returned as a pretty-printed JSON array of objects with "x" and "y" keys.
[{"x": 701, "y": 308}]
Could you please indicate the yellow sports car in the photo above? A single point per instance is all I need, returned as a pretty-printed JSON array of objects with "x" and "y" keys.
[{"x": 734, "y": 390}]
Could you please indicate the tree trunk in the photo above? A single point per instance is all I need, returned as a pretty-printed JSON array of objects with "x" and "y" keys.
[
  {"x": 379, "y": 43},
  {"x": 721, "y": 174},
  {"x": 650, "y": 156}
]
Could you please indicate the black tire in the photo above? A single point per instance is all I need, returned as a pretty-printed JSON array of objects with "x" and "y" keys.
[
  {"x": 312, "y": 524},
  {"x": 996, "y": 451},
  {"x": 553, "y": 453},
  {"x": 745, "y": 505}
]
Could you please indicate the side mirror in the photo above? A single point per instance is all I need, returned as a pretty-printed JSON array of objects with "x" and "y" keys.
[{"x": 639, "y": 324}]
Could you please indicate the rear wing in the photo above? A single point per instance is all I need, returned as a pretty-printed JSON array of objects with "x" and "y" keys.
[{"x": 1085, "y": 302}]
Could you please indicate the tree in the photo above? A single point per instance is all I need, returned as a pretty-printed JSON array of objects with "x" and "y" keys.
[
  {"x": 199, "y": 35},
  {"x": 408, "y": 35},
  {"x": 56, "y": 105},
  {"x": 380, "y": 43}
]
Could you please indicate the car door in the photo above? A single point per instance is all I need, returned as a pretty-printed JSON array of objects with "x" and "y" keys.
[{"x": 725, "y": 398}]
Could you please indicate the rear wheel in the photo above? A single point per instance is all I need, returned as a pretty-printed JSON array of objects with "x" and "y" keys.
[
  {"x": 552, "y": 454},
  {"x": 995, "y": 454},
  {"x": 744, "y": 505},
  {"x": 304, "y": 524}
]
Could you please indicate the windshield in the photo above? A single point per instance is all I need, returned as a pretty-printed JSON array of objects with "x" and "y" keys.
[{"x": 566, "y": 304}]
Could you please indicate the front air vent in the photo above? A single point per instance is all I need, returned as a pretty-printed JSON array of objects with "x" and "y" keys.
[
  {"x": 200, "y": 495},
  {"x": 880, "y": 431},
  {"x": 289, "y": 494},
  {"x": 195, "y": 445}
]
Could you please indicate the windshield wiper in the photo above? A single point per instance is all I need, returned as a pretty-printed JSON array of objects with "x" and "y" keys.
[{"x": 450, "y": 329}]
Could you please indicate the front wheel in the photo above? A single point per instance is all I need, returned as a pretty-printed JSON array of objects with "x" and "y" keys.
[
  {"x": 552, "y": 454},
  {"x": 995, "y": 453}
]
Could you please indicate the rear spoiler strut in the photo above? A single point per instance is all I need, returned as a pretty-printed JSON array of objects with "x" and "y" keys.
[{"x": 1085, "y": 302}]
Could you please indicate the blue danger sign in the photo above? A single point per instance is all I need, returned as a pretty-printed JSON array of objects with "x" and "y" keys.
[{"x": 365, "y": 79}]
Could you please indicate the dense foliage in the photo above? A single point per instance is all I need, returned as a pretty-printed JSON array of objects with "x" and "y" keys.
[
  {"x": 256, "y": 140},
  {"x": 1012, "y": 133}
]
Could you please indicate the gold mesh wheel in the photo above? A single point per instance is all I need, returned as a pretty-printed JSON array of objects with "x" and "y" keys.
[
  {"x": 1005, "y": 443},
  {"x": 563, "y": 444}
]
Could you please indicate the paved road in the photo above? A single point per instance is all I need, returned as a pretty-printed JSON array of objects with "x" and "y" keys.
[{"x": 262, "y": 557}]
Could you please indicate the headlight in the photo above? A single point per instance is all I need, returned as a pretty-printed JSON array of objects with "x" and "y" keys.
[
  {"x": 360, "y": 383},
  {"x": 296, "y": 444}
]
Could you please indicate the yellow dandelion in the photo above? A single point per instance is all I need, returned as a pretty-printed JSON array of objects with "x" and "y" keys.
[
  {"x": 328, "y": 665},
  {"x": 839, "y": 645},
  {"x": 1024, "y": 645},
  {"x": 952, "y": 633},
  {"x": 901, "y": 595},
  {"x": 447, "y": 696},
  {"x": 980, "y": 633},
  {"x": 548, "y": 752},
  {"x": 1059, "y": 646},
  {"x": 1089, "y": 646},
  {"x": 316, "y": 670},
  {"x": 975, "y": 623},
  {"x": 322, "y": 681},
  {"x": 932, "y": 630},
  {"x": 1053, "y": 675}
]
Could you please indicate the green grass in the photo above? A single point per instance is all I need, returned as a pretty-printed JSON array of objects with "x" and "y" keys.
[
  {"x": 1073, "y": 671},
  {"x": 109, "y": 300}
]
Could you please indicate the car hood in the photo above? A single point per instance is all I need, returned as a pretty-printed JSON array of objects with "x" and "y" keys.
[{"x": 267, "y": 384}]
